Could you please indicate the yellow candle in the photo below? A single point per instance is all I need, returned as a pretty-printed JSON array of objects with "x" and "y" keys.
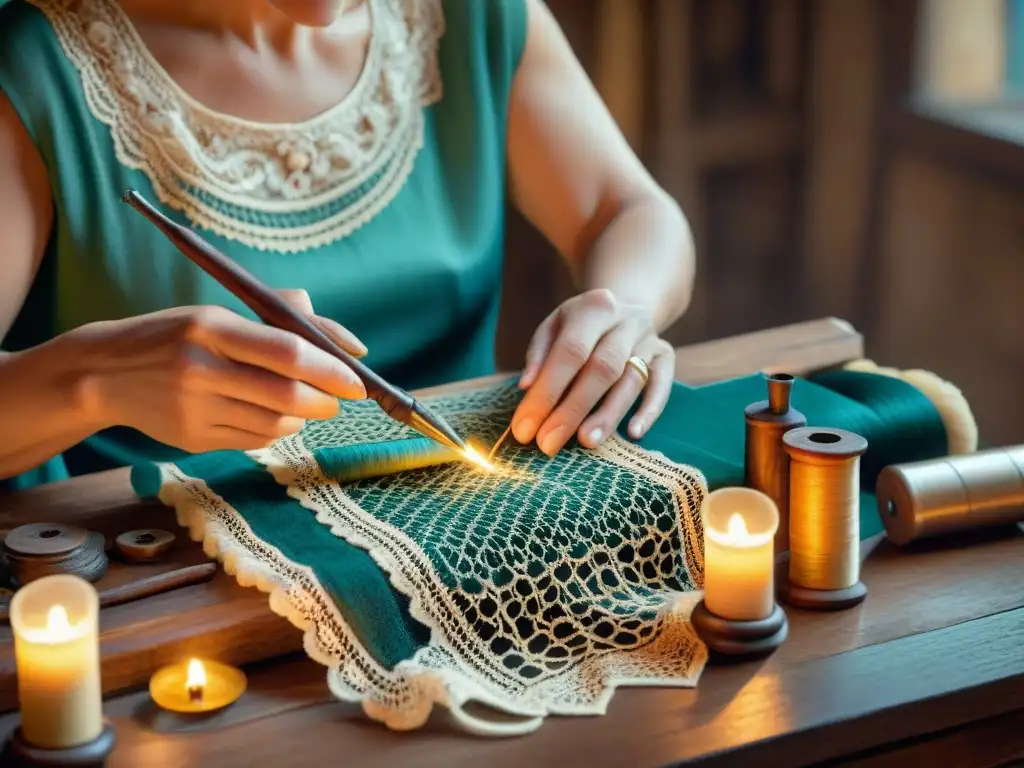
[
  {"x": 196, "y": 686},
  {"x": 739, "y": 560},
  {"x": 55, "y": 621}
]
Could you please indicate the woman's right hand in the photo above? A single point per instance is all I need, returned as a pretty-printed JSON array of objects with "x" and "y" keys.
[{"x": 205, "y": 379}]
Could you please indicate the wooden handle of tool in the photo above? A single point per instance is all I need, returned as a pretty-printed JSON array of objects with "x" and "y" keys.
[{"x": 266, "y": 303}]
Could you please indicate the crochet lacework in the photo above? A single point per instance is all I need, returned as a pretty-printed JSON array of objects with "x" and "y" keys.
[
  {"x": 286, "y": 188},
  {"x": 544, "y": 585}
]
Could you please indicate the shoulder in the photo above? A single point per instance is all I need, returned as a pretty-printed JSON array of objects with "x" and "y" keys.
[
  {"x": 23, "y": 27},
  {"x": 496, "y": 30},
  {"x": 34, "y": 69}
]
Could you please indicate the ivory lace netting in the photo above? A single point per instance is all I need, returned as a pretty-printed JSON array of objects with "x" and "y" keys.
[{"x": 544, "y": 585}]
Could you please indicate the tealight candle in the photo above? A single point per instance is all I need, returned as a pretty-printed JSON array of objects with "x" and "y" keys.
[
  {"x": 56, "y": 647},
  {"x": 739, "y": 560},
  {"x": 196, "y": 686}
]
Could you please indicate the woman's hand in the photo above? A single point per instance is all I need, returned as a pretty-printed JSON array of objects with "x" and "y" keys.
[
  {"x": 577, "y": 360},
  {"x": 205, "y": 378}
]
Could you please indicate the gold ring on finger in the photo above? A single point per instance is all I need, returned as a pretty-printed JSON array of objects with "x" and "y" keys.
[{"x": 638, "y": 365}]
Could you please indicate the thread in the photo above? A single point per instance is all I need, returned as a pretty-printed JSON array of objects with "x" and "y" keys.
[
  {"x": 934, "y": 498},
  {"x": 350, "y": 463},
  {"x": 45, "y": 549},
  {"x": 501, "y": 440},
  {"x": 824, "y": 505}
]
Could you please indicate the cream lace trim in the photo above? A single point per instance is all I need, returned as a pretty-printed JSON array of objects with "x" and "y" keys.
[
  {"x": 447, "y": 672},
  {"x": 233, "y": 176}
]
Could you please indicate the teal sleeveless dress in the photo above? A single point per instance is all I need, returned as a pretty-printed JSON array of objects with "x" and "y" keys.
[{"x": 388, "y": 208}]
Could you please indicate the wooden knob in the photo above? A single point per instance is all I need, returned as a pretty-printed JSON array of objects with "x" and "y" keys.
[{"x": 144, "y": 545}]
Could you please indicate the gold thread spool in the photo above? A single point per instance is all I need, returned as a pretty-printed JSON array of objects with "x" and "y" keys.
[
  {"x": 937, "y": 497},
  {"x": 765, "y": 461},
  {"x": 824, "y": 522}
]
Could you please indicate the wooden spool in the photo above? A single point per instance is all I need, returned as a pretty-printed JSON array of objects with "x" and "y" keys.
[
  {"x": 45, "y": 549},
  {"x": 823, "y": 460},
  {"x": 765, "y": 461}
]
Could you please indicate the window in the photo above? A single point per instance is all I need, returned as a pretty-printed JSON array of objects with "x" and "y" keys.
[{"x": 970, "y": 65}]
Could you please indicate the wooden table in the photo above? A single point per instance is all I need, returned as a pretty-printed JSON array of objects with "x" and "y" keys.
[{"x": 928, "y": 671}]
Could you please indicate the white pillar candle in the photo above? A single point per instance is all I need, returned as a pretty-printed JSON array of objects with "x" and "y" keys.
[
  {"x": 739, "y": 559},
  {"x": 55, "y": 623}
]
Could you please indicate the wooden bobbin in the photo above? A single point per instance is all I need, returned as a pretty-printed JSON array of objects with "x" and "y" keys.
[
  {"x": 44, "y": 549},
  {"x": 18, "y": 753},
  {"x": 765, "y": 461},
  {"x": 740, "y": 640},
  {"x": 830, "y": 455}
]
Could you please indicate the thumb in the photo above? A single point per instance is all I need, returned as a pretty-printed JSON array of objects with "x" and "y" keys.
[{"x": 299, "y": 300}]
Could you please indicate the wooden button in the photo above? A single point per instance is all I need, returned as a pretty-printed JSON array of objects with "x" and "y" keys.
[{"x": 144, "y": 545}]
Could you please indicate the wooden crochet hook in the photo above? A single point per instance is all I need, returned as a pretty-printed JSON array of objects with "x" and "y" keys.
[{"x": 276, "y": 312}]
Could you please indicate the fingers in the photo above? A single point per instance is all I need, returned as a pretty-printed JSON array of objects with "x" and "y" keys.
[
  {"x": 224, "y": 438},
  {"x": 297, "y": 298},
  {"x": 570, "y": 351},
  {"x": 342, "y": 335},
  {"x": 300, "y": 300},
  {"x": 662, "y": 370},
  {"x": 274, "y": 350},
  {"x": 601, "y": 373},
  {"x": 260, "y": 422},
  {"x": 268, "y": 390},
  {"x": 616, "y": 405},
  {"x": 660, "y": 359},
  {"x": 537, "y": 351}
]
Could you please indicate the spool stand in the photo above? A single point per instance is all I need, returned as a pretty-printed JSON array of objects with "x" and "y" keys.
[
  {"x": 823, "y": 447},
  {"x": 765, "y": 461},
  {"x": 18, "y": 753},
  {"x": 740, "y": 640}
]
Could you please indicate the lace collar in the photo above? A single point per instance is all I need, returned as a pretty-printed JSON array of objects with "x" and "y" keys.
[{"x": 281, "y": 187}]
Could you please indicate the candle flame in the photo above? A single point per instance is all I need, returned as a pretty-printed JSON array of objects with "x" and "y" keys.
[
  {"x": 58, "y": 626},
  {"x": 737, "y": 534},
  {"x": 472, "y": 455},
  {"x": 196, "y": 676},
  {"x": 737, "y": 527}
]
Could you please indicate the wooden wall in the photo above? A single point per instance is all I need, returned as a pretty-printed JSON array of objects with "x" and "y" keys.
[
  {"x": 785, "y": 129},
  {"x": 711, "y": 93}
]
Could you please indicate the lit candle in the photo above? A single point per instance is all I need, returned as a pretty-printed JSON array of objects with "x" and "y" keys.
[
  {"x": 196, "y": 686},
  {"x": 739, "y": 560},
  {"x": 56, "y": 647}
]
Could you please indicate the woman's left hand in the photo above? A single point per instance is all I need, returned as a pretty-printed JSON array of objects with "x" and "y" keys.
[{"x": 578, "y": 359}]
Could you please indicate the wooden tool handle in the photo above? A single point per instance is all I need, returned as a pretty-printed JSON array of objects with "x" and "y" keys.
[{"x": 265, "y": 302}]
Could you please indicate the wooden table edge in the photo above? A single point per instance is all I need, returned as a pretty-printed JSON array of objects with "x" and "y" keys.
[{"x": 910, "y": 671}]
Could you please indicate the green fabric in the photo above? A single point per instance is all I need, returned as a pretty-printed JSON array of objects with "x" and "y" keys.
[
  {"x": 419, "y": 283},
  {"x": 702, "y": 427}
]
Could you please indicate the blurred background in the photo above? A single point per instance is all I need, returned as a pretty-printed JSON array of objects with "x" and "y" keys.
[{"x": 862, "y": 159}]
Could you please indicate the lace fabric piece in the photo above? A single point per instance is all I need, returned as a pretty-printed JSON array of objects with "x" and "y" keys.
[
  {"x": 287, "y": 187},
  {"x": 544, "y": 585}
]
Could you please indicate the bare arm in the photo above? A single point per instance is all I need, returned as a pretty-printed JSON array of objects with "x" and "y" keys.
[
  {"x": 197, "y": 378},
  {"x": 42, "y": 408},
  {"x": 574, "y": 175}
]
